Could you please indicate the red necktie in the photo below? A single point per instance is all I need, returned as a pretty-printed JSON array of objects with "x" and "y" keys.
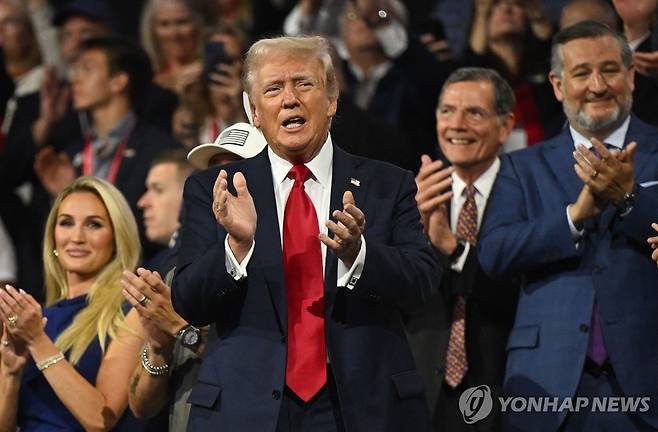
[
  {"x": 456, "y": 361},
  {"x": 306, "y": 369}
]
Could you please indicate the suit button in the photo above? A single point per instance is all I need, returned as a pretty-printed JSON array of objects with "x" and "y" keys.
[
  {"x": 597, "y": 269},
  {"x": 584, "y": 328},
  {"x": 276, "y": 394},
  {"x": 283, "y": 339}
]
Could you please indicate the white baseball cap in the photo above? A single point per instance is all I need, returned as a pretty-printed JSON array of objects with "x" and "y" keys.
[{"x": 241, "y": 139}]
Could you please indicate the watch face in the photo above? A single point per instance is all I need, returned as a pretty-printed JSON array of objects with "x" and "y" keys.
[{"x": 190, "y": 337}]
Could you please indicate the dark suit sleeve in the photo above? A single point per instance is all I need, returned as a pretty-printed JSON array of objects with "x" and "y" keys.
[
  {"x": 402, "y": 272},
  {"x": 637, "y": 223},
  {"x": 513, "y": 240},
  {"x": 201, "y": 283}
]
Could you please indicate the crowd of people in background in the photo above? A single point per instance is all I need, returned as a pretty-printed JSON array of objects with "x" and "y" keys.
[{"x": 107, "y": 107}]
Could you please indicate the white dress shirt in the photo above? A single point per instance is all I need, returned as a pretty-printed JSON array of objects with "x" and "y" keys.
[
  {"x": 616, "y": 139},
  {"x": 483, "y": 186},
  {"x": 318, "y": 188}
]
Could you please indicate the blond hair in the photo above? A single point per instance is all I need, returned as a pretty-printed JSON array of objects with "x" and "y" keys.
[
  {"x": 306, "y": 47},
  {"x": 147, "y": 31},
  {"x": 103, "y": 315}
]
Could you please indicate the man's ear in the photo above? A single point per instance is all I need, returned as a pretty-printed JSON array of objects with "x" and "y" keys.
[
  {"x": 506, "y": 126},
  {"x": 254, "y": 114},
  {"x": 333, "y": 106},
  {"x": 119, "y": 82},
  {"x": 556, "y": 82}
]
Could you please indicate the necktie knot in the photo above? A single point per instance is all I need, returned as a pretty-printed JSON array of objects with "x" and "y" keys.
[
  {"x": 469, "y": 191},
  {"x": 299, "y": 173}
]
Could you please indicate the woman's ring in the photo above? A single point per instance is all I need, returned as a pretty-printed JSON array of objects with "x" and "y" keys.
[
  {"x": 143, "y": 301},
  {"x": 12, "y": 319}
]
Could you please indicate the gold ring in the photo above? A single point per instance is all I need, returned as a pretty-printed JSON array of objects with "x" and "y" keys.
[
  {"x": 5, "y": 343},
  {"x": 596, "y": 173},
  {"x": 143, "y": 301},
  {"x": 12, "y": 319}
]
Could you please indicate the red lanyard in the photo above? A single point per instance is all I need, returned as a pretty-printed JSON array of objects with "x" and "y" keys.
[{"x": 88, "y": 160}]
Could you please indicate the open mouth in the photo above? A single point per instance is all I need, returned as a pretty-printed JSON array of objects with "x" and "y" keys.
[{"x": 294, "y": 122}]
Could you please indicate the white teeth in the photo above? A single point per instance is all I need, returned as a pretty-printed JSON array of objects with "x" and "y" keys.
[
  {"x": 293, "y": 125},
  {"x": 460, "y": 141}
]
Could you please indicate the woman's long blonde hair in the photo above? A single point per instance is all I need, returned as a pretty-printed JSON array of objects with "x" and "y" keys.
[{"x": 103, "y": 314}]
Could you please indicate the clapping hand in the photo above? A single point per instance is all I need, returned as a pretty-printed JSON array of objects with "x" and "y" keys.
[
  {"x": 433, "y": 182},
  {"x": 151, "y": 297},
  {"x": 236, "y": 213},
  {"x": 346, "y": 242}
]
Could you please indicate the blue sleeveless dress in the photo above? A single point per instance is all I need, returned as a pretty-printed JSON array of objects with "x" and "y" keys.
[{"x": 39, "y": 408}]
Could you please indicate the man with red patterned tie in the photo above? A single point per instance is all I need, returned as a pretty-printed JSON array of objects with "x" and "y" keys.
[
  {"x": 459, "y": 337},
  {"x": 304, "y": 258}
]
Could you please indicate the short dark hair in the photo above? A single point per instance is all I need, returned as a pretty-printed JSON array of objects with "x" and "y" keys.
[
  {"x": 177, "y": 157},
  {"x": 127, "y": 57},
  {"x": 504, "y": 99},
  {"x": 586, "y": 30}
]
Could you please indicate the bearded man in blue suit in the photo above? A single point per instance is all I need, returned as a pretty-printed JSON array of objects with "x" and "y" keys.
[{"x": 571, "y": 216}]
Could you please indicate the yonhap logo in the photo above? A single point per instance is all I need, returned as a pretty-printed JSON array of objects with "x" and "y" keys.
[{"x": 475, "y": 403}]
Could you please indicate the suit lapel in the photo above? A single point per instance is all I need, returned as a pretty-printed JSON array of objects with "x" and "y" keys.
[
  {"x": 268, "y": 252},
  {"x": 559, "y": 155},
  {"x": 345, "y": 176},
  {"x": 638, "y": 132}
]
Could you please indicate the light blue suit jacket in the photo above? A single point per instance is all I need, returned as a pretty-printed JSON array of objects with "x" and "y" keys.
[{"x": 526, "y": 233}]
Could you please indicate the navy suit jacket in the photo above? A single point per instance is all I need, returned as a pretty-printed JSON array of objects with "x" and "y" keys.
[
  {"x": 526, "y": 233},
  {"x": 243, "y": 373}
]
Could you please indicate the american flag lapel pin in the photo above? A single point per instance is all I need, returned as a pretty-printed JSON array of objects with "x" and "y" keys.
[{"x": 129, "y": 153}]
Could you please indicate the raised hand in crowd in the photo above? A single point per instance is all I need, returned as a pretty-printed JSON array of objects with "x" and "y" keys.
[
  {"x": 433, "y": 182},
  {"x": 185, "y": 76},
  {"x": 646, "y": 63},
  {"x": 225, "y": 88},
  {"x": 54, "y": 97},
  {"x": 55, "y": 171}
]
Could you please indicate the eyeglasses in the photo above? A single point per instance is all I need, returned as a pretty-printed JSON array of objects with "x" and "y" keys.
[{"x": 472, "y": 115}]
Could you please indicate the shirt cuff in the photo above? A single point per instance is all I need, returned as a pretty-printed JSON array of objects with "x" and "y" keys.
[
  {"x": 576, "y": 234},
  {"x": 458, "y": 265},
  {"x": 393, "y": 39},
  {"x": 237, "y": 270},
  {"x": 349, "y": 278}
]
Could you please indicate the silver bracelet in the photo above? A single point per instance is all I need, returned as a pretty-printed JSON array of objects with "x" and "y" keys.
[
  {"x": 50, "y": 361},
  {"x": 150, "y": 367}
]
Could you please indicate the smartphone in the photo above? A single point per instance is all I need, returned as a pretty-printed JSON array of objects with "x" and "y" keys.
[{"x": 214, "y": 54}]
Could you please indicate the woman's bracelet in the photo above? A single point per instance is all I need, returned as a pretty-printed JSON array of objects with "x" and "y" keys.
[
  {"x": 50, "y": 361},
  {"x": 150, "y": 367}
]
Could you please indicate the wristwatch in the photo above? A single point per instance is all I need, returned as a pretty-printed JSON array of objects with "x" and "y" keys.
[
  {"x": 627, "y": 202},
  {"x": 459, "y": 250},
  {"x": 190, "y": 337}
]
